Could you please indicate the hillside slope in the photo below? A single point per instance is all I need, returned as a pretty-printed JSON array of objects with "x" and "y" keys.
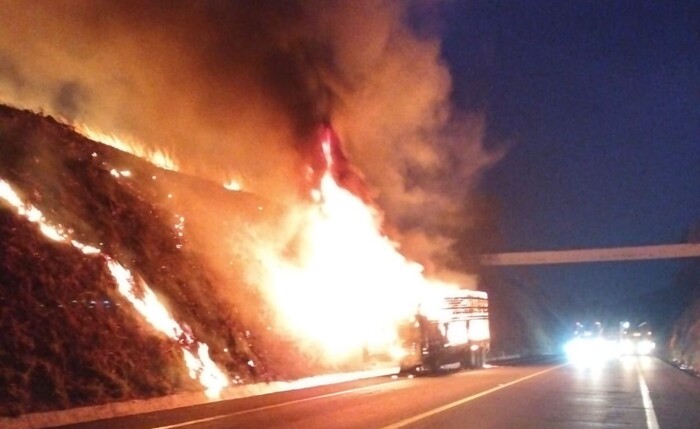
[
  {"x": 69, "y": 337},
  {"x": 684, "y": 344}
]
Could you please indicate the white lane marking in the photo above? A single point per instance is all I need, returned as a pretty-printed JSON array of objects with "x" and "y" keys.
[
  {"x": 446, "y": 407},
  {"x": 652, "y": 423},
  {"x": 268, "y": 407}
]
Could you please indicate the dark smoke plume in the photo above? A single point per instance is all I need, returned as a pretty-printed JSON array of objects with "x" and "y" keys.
[{"x": 240, "y": 88}]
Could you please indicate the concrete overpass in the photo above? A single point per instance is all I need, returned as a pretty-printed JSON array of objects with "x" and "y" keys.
[{"x": 665, "y": 251}]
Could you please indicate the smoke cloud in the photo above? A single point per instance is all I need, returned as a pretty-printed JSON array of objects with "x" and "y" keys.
[{"x": 240, "y": 89}]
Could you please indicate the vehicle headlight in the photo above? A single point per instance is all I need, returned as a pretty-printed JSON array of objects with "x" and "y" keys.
[{"x": 645, "y": 347}]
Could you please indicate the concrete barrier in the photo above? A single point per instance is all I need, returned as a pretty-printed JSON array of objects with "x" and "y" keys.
[{"x": 127, "y": 408}]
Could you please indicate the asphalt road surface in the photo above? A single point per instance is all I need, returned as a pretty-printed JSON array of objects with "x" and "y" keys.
[{"x": 630, "y": 392}]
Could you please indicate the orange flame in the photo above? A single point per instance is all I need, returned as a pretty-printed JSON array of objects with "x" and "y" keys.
[
  {"x": 156, "y": 157},
  {"x": 196, "y": 354},
  {"x": 352, "y": 286},
  {"x": 201, "y": 367},
  {"x": 348, "y": 289}
]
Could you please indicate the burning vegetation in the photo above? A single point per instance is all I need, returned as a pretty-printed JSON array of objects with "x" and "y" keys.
[
  {"x": 109, "y": 292},
  {"x": 192, "y": 214},
  {"x": 80, "y": 245}
]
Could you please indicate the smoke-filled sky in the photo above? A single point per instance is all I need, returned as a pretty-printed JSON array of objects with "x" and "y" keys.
[
  {"x": 589, "y": 111},
  {"x": 239, "y": 89},
  {"x": 599, "y": 103}
]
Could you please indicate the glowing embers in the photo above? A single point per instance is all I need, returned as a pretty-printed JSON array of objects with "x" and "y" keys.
[
  {"x": 234, "y": 185},
  {"x": 156, "y": 157},
  {"x": 180, "y": 230},
  {"x": 119, "y": 173},
  {"x": 137, "y": 292}
]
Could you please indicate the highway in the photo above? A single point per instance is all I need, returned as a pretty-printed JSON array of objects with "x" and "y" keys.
[{"x": 630, "y": 392}]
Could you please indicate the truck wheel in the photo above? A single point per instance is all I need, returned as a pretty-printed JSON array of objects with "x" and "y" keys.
[
  {"x": 433, "y": 366},
  {"x": 480, "y": 358},
  {"x": 474, "y": 359},
  {"x": 466, "y": 360}
]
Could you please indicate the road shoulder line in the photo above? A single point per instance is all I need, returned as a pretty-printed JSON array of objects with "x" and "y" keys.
[
  {"x": 446, "y": 407},
  {"x": 650, "y": 414},
  {"x": 267, "y": 407}
]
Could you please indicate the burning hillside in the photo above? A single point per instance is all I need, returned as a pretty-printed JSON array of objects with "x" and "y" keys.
[
  {"x": 219, "y": 213},
  {"x": 172, "y": 284},
  {"x": 76, "y": 216}
]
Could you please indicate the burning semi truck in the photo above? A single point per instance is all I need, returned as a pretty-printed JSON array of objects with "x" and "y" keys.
[{"x": 449, "y": 332}]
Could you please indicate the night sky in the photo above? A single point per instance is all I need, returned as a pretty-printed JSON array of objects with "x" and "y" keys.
[{"x": 598, "y": 104}]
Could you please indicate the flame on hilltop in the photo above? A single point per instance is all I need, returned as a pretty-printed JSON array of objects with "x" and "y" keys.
[
  {"x": 156, "y": 157},
  {"x": 137, "y": 292},
  {"x": 351, "y": 286}
]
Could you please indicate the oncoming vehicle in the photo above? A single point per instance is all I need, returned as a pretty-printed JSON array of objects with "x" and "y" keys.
[
  {"x": 454, "y": 335},
  {"x": 637, "y": 340}
]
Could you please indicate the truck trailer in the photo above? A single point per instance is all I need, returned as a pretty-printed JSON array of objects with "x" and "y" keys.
[{"x": 454, "y": 333}]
